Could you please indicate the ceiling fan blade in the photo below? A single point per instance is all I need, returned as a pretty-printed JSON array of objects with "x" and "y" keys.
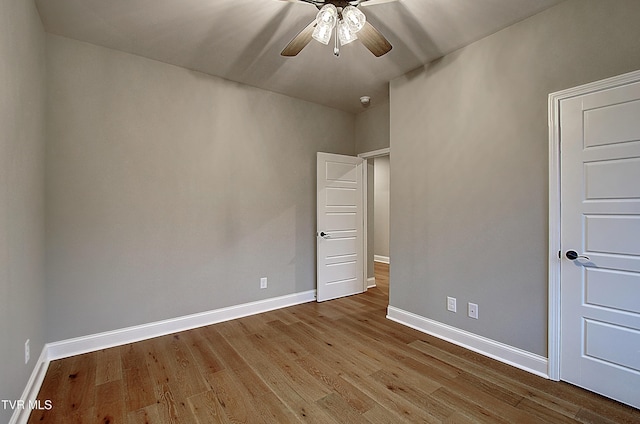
[
  {"x": 300, "y": 41},
  {"x": 373, "y": 40}
]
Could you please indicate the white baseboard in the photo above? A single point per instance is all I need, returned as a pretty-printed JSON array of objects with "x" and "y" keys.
[
  {"x": 371, "y": 282},
  {"x": 380, "y": 258},
  {"x": 80, "y": 345},
  {"x": 91, "y": 343},
  {"x": 30, "y": 393},
  {"x": 514, "y": 356}
]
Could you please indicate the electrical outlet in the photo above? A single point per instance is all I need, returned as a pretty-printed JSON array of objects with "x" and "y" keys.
[
  {"x": 27, "y": 353},
  {"x": 263, "y": 283},
  {"x": 473, "y": 310},
  {"x": 451, "y": 304}
]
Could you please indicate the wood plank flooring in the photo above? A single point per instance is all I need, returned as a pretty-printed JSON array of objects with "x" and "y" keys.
[{"x": 336, "y": 362}]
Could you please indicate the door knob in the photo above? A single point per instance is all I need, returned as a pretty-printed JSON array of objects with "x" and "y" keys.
[
  {"x": 573, "y": 255},
  {"x": 324, "y": 235}
]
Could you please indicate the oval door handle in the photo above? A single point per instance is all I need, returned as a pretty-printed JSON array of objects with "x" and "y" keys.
[{"x": 573, "y": 255}]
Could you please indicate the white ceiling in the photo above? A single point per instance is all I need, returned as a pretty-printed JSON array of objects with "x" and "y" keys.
[{"x": 241, "y": 40}]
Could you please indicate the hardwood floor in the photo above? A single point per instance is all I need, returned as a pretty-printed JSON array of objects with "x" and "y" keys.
[{"x": 336, "y": 362}]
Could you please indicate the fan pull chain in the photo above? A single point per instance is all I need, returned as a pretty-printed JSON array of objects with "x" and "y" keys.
[{"x": 336, "y": 46}]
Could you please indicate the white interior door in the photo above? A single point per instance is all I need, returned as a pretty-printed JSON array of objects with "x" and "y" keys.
[
  {"x": 340, "y": 226},
  {"x": 600, "y": 238}
]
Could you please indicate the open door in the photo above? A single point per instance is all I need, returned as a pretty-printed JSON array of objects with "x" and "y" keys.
[
  {"x": 600, "y": 238},
  {"x": 340, "y": 226}
]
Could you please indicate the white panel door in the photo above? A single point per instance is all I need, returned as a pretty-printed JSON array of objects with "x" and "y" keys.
[
  {"x": 340, "y": 224},
  {"x": 600, "y": 236}
]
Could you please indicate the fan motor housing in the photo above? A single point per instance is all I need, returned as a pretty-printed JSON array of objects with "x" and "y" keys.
[{"x": 338, "y": 3}]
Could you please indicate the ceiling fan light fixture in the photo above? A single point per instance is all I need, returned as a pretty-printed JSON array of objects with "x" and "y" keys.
[
  {"x": 326, "y": 21},
  {"x": 328, "y": 15},
  {"x": 343, "y": 17},
  {"x": 344, "y": 33},
  {"x": 322, "y": 33},
  {"x": 354, "y": 18}
]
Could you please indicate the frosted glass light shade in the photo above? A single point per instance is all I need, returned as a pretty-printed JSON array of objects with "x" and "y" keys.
[
  {"x": 325, "y": 22},
  {"x": 322, "y": 33},
  {"x": 328, "y": 15},
  {"x": 354, "y": 18},
  {"x": 344, "y": 33}
]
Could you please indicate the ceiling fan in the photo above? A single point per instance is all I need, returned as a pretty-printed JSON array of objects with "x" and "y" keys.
[{"x": 345, "y": 21}]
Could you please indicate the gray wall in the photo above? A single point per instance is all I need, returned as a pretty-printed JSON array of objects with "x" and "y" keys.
[
  {"x": 381, "y": 206},
  {"x": 372, "y": 128},
  {"x": 469, "y": 183},
  {"x": 170, "y": 192},
  {"x": 22, "y": 117}
]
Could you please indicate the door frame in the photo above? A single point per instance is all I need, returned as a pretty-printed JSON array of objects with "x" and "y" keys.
[
  {"x": 366, "y": 156},
  {"x": 555, "y": 209}
]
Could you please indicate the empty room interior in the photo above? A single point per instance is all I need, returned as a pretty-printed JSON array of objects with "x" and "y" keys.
[{"x": 166, "y": 234}]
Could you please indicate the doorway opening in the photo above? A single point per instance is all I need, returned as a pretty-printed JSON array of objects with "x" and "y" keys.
[{"x": 376, "y": 244}]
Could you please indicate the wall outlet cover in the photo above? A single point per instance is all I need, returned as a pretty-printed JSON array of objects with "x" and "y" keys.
[
  {"x": 451, "y": 304},
  {"x": 473, "y": 310},
  {"x": 27, "y": 353}
]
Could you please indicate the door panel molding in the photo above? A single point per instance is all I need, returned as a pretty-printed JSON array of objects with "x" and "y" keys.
[
  {"x": 555, "y": 245},
  {"x": 340, "y": 269}
]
